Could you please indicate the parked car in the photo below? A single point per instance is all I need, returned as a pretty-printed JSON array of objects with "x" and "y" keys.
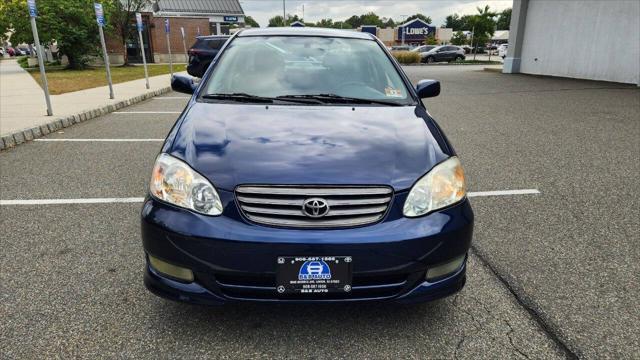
[
  {"x": 443, "y": 53},
  {"x": 24, "y": 51},
  {"x": 1, "y": 51},
  {"x": 423, "y": 50},
  {"x": 11, "y": 51},
  {"x": 502, "y": 50},
  {"x": 305, "y": 169},
  {"x": 401, "y": 48},
  {"x": 202, "y": 52},
  {"x": 466, "y": 48}
]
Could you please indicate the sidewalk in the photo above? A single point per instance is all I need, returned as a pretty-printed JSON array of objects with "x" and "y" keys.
[{"x": 22, "y": 103}]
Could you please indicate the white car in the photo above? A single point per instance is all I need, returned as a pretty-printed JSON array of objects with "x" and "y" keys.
[{"x": 502, "y": 50}]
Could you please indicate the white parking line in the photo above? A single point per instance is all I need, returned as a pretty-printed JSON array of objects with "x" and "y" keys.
[
  {"x": 147, "y": 112},
  {"x": 503, "y": 192},
  {"x": 140, "y": 199},
  {"x": 97, "y": 140},
  {"x": 72, "y": 201}
]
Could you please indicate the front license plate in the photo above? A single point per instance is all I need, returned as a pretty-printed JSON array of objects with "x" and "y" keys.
[{"x": 313, "y": 274}]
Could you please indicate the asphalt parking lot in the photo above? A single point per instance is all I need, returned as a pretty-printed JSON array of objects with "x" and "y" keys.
[{"x": 551, "y": 275}]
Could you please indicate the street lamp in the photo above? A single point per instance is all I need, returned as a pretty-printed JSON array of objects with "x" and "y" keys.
[{"x": 402, "y": 27}]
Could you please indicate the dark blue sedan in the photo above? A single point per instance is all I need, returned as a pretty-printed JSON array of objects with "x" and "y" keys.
[{"x": 306, "y": 168}]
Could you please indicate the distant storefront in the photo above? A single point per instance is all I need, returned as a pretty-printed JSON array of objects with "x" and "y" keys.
[
  {"x": 194, "y": 17},
  {"x": 414, "y": 32}
]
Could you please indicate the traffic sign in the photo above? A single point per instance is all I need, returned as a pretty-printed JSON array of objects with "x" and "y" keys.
[
  {"x": 33, "y": 11},
  {"x": 139, "y": 21},
  {"x": 99, "y": 14},
  {"x": 167, "y": 28}
]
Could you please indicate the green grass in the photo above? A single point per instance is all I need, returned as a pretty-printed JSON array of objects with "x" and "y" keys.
[{"x": 65, "y": 80}]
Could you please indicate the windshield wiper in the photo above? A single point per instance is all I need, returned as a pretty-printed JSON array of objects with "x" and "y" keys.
[
  {"x": 334, "y": 98},
  {"x": 243, "y": 97}
]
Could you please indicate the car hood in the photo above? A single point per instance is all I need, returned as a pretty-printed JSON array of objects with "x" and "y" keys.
[{"x": 233, "y": 144}]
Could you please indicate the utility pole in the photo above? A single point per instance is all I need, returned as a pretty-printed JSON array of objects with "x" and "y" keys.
[
  {"x": 402, "y": 27},
  {"x": 284, "y": 14}
]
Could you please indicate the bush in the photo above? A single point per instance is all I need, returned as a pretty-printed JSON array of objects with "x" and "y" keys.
[
  {"x": 22, "y": 61},
  {"x": 406, "y": 57}
]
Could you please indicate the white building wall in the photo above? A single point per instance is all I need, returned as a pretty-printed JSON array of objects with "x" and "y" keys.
[{"x": 598, "y": 40}]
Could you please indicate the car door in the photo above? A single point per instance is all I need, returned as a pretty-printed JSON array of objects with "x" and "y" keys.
[
  {"x": 438, "y": 54},
  {"x": 449, "y": 53}
]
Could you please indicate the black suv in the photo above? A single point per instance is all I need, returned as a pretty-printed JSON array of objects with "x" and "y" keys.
[{"x": 202, "y": 53}]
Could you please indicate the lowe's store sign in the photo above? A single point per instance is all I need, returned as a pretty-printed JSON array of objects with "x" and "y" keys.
[{"x": 416, "y": 30}]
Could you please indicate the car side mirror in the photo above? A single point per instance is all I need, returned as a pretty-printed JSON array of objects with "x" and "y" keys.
[
  {"x": 428, "y": 88},
  {"x": 183, "y": 84}
]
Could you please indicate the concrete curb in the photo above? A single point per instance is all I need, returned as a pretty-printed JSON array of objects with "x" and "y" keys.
[{"x": 23, "y": 136}]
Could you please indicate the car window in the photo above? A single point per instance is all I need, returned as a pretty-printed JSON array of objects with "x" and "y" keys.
[
  {"x": 216, "y": 44},
  {"x": 306, "y": 65}
]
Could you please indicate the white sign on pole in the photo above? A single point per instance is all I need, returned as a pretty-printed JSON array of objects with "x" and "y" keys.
[
  {"x": 184, "y": 46},
  {"x": 101, "y": 23},
  {"x": 167, "y": 31},
  {"x": 144, "y": 57},
  {"x": 33, "y": 13}
]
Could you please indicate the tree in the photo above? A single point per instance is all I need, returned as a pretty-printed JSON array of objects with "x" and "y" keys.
[
  {"x": 431, "y": 40},
  {"x": 251, "y": 22},
  {"x": 369, "y": 18},
  {"x": 504, "y": 20},
  {"x": 70, "y": 23},
  {"x": 325, "y": 23},
  {"x": 424, "y": 18},
  {"x": 121, "y": 16},
  {"x": 483, "y": 26},
  {"x": 388, "y": 22},
  {"x": 453, "y": 22},
  {"x": 459, "y": 38},
  {"x": 278, "y": 21}
]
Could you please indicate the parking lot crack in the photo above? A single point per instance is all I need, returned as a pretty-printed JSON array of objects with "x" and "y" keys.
[
  {"x": 545, "y": 324},
  {"x": 511, "y": 331}
]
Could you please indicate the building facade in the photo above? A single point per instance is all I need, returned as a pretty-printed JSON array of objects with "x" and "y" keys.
[
  {"x": 414, "y": 32},
  {"x": 186, "y": 19},
  {"x": 598, "y": 41}
]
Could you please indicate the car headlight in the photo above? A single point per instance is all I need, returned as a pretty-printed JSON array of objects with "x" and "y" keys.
[
  {"x": 175, "y": 182},
  {"x": 439, "y": 188}
]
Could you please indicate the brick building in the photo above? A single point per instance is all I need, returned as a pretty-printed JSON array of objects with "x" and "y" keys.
[{"x": 196, "y": 17}]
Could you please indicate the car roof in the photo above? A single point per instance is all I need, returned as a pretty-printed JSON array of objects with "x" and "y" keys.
[
  {"x": 300, "y": 31},
  {"x": 212, "y": 37}
]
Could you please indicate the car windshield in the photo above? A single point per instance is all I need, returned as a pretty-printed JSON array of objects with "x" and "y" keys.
[{"x": 304, "y": 67}]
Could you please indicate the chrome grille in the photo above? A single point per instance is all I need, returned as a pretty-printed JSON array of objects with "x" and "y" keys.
[{"x": 283, "y": 205}]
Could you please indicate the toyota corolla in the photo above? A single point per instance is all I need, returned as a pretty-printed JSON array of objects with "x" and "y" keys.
[{"x": 306, "y": 168}]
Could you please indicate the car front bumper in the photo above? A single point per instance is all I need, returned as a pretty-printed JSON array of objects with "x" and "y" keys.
[{"x": 234, "y": 260}]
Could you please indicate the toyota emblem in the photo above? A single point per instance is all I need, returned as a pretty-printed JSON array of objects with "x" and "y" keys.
[{"x": 315, "y": 207}]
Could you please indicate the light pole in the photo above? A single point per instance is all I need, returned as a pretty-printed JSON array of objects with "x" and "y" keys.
[{"x": 402, "y": 27}]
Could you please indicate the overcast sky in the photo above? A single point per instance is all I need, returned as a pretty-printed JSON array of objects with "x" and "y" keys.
[{"x": 314, "y": 10}]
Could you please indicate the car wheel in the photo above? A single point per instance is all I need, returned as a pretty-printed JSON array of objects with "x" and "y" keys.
[
  {"x": 459, "y": 58},
  {"x": 430, "y": 60}
]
